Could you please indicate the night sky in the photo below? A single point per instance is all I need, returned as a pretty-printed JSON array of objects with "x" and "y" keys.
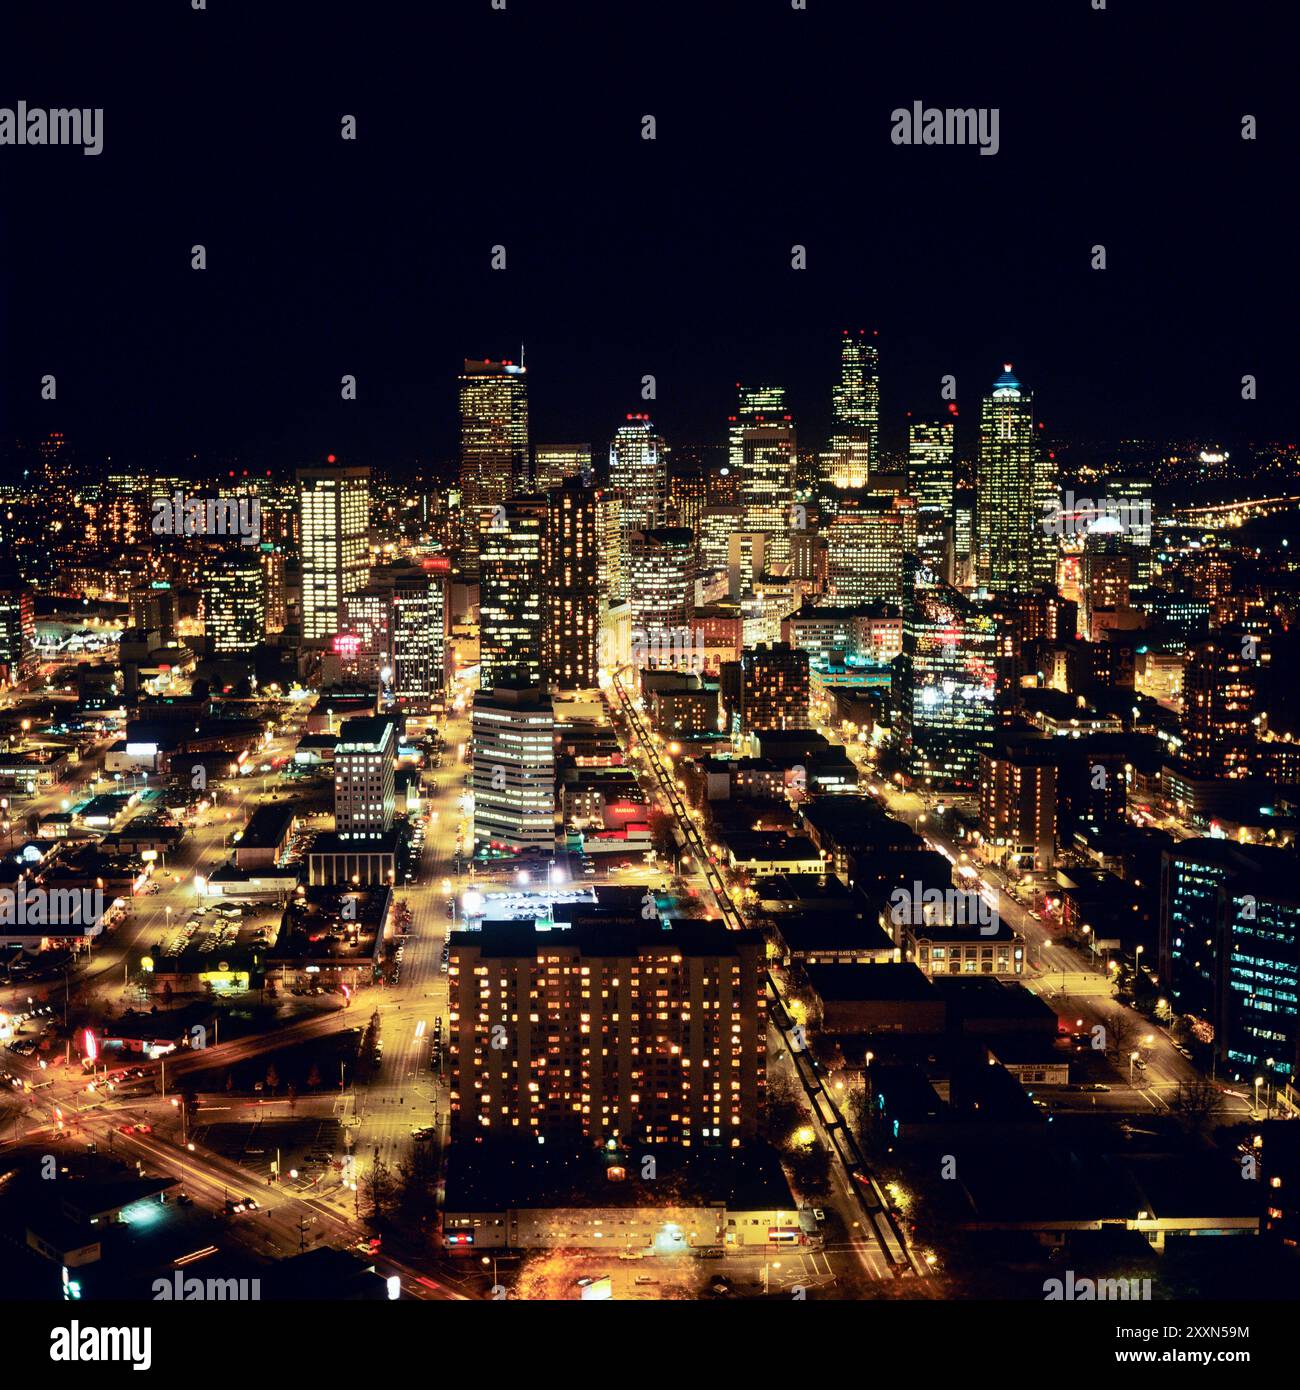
[{"x": 626, "y": 256}]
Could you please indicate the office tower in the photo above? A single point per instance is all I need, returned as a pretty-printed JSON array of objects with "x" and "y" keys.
[
  {"x": 364, "y": 641},
  {"x": 493, "y": 442},
  {"x": 717, "y": 525},
  {"x": 419, "y": 642},
  {"x": 234, "y": 601},
  {"x": 1046, "y": 616},
  {"x": 945, "y": 685},
  {"x": 611, "y": 548},
  {"x": 773, "y": 688},
  {"x": 867, "y": 550},
  {"x": 18, "y": 655},
  {"x": 154, "y": 610},
  {"x": 1017, "y": 791},
  {"x": 638, "y": 473},
  {"x": 1219, "y": 699},
  {"x": 1229, "y": 950},
  {"x": 553, "y": 463},
  {"x": 932, "y": 485},
  {"x": 511, "y": 542},
  {"x": 1013, "y": 550},
  {"x": 365, "y": 762},
  {"x": 1106, "y": 570},
  {"x": 746, "y": 559},
  {"x": 274, "y": 585},
  {"x": 572, "y": 591},
  {"x": 767, "y": 485},
  {"x": 661, "y": 575},
  {"x": 334, "y": 505},
  {"x": 621, "y": 1034},
  {"x": 687, "y": 493},
  {"x": 513, "y": 737},
  {"x": 756, "y": 406},
  {"x": 855, "y": 413},
  {"x": 127, "y": 513}
]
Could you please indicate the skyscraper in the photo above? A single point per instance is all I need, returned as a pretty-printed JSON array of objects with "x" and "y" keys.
[
  {"x": 493, "y": 440},
  {"x": 767, "y": 484},
  {"x": 1010, "y": 534},
  {"x": 234, "y": 601},
  {"x": 572, "y": 593},
  {"x": 946, "y": 683},
  {"x": 18, "y": 655},
  {"x": 867, "y": 546},
  {"x": 553, "y": 463},
  {"x": 511, "y": 545},
  {"x": 638, "y": 472},
  {"x": 1219, "y": 698},
  {"x": 513, "y": 738},
  {"x": 334, "y": 502},
  {"x": 932, "y": 483},
  {"x": 773, "y": 687},
  {"x": 757, "y": 405},
  {"x": 419, "y": 637},
  {"x": 855, "y": 413},
  {"x": 662, "y": 587}
]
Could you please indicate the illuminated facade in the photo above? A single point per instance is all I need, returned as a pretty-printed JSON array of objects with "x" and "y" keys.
[
  {"x": 645, "y": 1034},
  {"x": 365, "y": 762},
  {"x": 419, "y": 643},
  {"x": 493, "y": 441},
  {"x": 767, "y": 484},
  {"x": 513, "y": 735},
  {"x": 867, "y": 547},
  {"x": 855, "y": 411},
  {"x": 334, "y": 504},
  {"x": 773, "y": 688},
  {"x": 638, "y": 473},
  {"x": 1015, "y": 493},
  {"x": 572, "y": 588},
  {"x": 553, "y": 463},
  {"x": 511, "y": 545},
  {"x": 932, "y": 484},
  {"x": 946, "y": 688},
  {"x": 234, "y": 601}
]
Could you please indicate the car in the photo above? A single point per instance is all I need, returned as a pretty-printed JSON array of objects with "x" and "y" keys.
[
  {"x": 1139, "y": 1064},
  {"x": 631, "y": 1254},
  {"x": 184, "y": 1199},
  {"x": 250, "y": 1204},
  {"x": 126, "y": 1129},
  {"x": 144, "y": 1129},
  {"x": 1186, "y": 1051},
  {"x": 710, "y": 1252}
]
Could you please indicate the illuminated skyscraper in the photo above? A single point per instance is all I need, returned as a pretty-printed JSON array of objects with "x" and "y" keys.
[
  {"x": 946, "y": 683},
  {"x": 638, "y": 472},
  {"x": 18, "y": 657},
  {"x": 365, "y": 763},
  {"x": 1010, "y": 533},
  {"x": 234, "y": 601},
  {"x": 513, "y": 734},
  {"x": 757, "y": 405},
  {"x": 572, "y": 592},
  {"x": 1219, "y": 700},
  {"x": 855, "y": 409},
  {"x": 932, "y": 481},
  {"x": 867, "y": 547},
  {"x": 662, "y": 588},
  {"x": 767, "y": 484},
  {"x": 335, "y": 506},
  {"x": 419, "y": 637},
  {"x": 493, "y": 440},
  {"x": 553, "y": 463},
  {"x": 511, "y": 544},
  {"x": 773, "y": 687}
]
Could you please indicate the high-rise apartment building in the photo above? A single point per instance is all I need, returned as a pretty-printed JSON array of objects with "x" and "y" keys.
[
  {"x": 618, "y": 1034},
  {"x": 773, "y": 687},
  {"x": 755, "y": 406},
  {"x": 553, "y": 463},
  {"x": 1219, "y": 700},
  {"x": 661, "y": 574},
  {"x": 334, "y": 505},
  {"x": 868, "y": 546},
  {"x": 932, "y": 485}
]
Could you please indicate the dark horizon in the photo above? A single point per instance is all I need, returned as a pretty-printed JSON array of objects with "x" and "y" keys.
[{"x": 625, "y": 256}]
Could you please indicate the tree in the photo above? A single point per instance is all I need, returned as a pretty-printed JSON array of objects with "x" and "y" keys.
[
  {"x": 376, "y": 1190},
  {"x": 313, "y": 1077},
  {"x": 1197, "y": 1104},
  {"x": 272, "y": 1078}
]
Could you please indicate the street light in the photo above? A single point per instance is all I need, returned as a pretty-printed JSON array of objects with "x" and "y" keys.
[
  {"x": 1259, "y": 1081},
  {"x": 1132, "y": 1057}
]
